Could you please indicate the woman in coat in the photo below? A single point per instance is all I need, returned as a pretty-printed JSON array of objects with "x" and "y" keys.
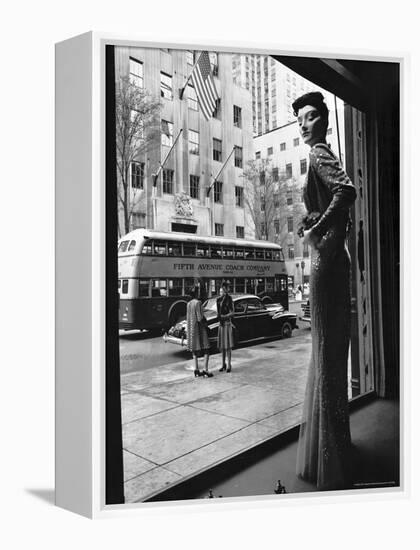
[
  {"x": 225, "y": 313},
  {"x": 197, "y": 337}
]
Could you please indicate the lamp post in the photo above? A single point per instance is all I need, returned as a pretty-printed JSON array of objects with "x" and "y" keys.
[{"x": 302, "y": 265}]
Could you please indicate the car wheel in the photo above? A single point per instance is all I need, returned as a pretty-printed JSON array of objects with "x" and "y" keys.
[{"x": 286, "y": 330}]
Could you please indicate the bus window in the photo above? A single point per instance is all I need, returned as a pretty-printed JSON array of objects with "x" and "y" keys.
[
  {"x": 216, "y": 252},
  {"x": 240, "y": 286},
  {"x": 125, "y": 286},
  {"x": 188, "y": 285},
  {"x": 268, "y": 254},
  {"x": 189, "y": 249},
  {"x": 175, "y": 287},
  {"x": 228, "y": 253},
  {"x": 123, "y": 246},
  {"x": 147, "y": 247},
  {"x": 269, "y": 284},
  {"x": 159, "y": 248},
  {"x": 239, "y": 253},
  {"x": 249, "y": 254},
  {"x": 174, "y": 249},
  {"x": 259, "y": 286},
  {"x": 159, "y": 287},
  {"x": 144, "y": 285},
  {"x": 132, "y": 245},
  {"x": 259, "y": 254},
  {"x": 203, "y": 250}
]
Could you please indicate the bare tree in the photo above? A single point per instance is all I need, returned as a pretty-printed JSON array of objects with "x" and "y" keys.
[
  {"x": 271, "y": 197},
  {"x": 137, "y": 115}
]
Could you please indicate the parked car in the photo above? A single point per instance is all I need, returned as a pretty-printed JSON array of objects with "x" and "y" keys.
[
  {"x": 306, "y": 313},
  {"x": 253, "y": 320}
]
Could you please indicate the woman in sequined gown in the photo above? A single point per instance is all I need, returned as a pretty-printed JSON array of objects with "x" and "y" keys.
[{"x": 324, "y": 440}]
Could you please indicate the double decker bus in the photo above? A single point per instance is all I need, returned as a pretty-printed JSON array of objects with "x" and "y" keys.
[{"x": 156, "y": 271}]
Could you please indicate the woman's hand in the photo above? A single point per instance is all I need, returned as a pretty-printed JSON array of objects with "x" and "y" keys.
[{"x": 310, "y": 238}]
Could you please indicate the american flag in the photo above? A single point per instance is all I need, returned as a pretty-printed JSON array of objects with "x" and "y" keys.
[{"x": 204, "y": 85}]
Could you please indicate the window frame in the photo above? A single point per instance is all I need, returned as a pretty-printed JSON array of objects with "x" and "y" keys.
[
  {"x": 193, "y": 147},
  {"x": 166, "y": 90},
  {"x": 165, "y": 181}
]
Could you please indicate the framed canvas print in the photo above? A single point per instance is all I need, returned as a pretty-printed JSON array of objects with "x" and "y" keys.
[{"x": 228, "y": 274}]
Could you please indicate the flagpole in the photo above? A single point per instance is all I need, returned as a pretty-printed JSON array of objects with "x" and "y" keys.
[
  {"x": 161, "y": 165},
  {"x": 182, "y": 90},
  {"x": 220, "y": 171},
  {"x": 210, "y": 199}
]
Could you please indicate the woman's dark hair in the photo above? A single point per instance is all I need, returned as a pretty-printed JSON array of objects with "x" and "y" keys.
[
  {"x": 225, "y": 285},
  {"x": 193, "y": 291},
  {"x": 315, "y": 99}
]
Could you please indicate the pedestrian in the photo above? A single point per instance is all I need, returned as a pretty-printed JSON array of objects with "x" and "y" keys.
[
  {"x": 324, "y": 451},
  {"x": 225, "y": 313},
  {"x": 197, "y": 337}
]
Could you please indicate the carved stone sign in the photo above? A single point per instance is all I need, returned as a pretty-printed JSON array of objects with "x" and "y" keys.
[{"x": 183, "y": 205}]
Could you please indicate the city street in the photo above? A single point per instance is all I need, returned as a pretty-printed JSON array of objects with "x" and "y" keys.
[{"x": 145, "y": 350}]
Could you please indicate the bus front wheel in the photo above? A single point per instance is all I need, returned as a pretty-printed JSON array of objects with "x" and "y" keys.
[{"x": 176, "y": 315}]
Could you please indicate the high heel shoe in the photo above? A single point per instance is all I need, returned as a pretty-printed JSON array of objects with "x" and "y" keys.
[
  {"x": 198, "y": 372},
  {"x": 207, "y": 373},
  {"x": 229, "y": 369},
  {"x": 222, "y": 368}
]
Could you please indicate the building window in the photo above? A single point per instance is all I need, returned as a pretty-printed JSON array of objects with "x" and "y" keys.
[
  {"x": 306, "y": 250},
  {"x": 166, "y": 86},
  {"x": 291, "y": 251},
  {"x": 263, "y": 230},
  {"x": 238, "y": 156},
  {"x": 214, "y": 62},
  {"x": 218, "y": 191},
  {"x": 192, "y": 98},
  {"x": 240, "y": 232},
  {"x": 277, "y": 227},
  {"x": 237, "y": 116},
  {"x": 289, "y": 171},
  {"x": 275, "y": 174},
  {"x": 193, "y": 142},
  {"x": 303, "y": 166},
  {"x": 137, "y": 175},
  {"x": 138, "y": 220},
  {"x": 269, "y": 151},
  {"x": 218, "y": 229},
  {"x": 190, "y": 57},
  {"x": 276, "y": 200},
  {"x": 239, "y": 196},
  {"x": 289, "y": 197},
  {"x": 282, "y": 147},
  {"x": 290, "y": 225},
  {"x": 194, "y": 187},
  {"x": 258, "y": 155},
  {"x": 329, "y": 131},
  {"x": 218, "y": 110},
  {"x": 217, "y": 149},
  {"x": 167, "y": 133},
  {"x": 168, "y": 181},
  {"x": 296, "y": 142},
  {"x": 262, "y": 177},
  {"x": 136, "y": 72}
]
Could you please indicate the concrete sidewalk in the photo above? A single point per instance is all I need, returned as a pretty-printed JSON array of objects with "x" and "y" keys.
[{"x": 176, "y": 426}]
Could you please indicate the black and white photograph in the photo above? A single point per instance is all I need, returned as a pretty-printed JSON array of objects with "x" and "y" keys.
[{"x": 252, "y": 274}]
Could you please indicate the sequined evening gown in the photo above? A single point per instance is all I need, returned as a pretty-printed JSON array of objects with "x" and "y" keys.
[{"x": 324, "y": 440}]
